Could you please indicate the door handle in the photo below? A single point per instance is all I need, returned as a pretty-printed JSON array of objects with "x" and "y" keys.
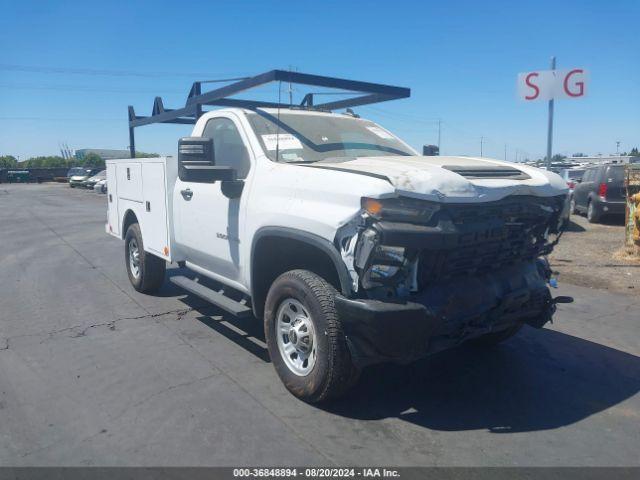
[{"x": 186, "y": 194}]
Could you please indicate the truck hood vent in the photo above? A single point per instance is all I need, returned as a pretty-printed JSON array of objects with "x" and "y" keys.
[{"x": 494, "y": 171}]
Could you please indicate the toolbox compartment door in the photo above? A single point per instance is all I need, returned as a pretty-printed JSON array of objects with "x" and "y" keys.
[
  {"x": 154, "y": 215},
  {"x": 113, "y": 219},
  {"x": 130, "y": 181}
]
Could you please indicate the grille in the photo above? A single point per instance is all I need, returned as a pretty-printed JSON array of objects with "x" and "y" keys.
[{"x": 522, "y": 225}]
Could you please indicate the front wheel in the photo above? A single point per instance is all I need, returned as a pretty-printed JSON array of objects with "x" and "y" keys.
[
  {"x": 146, "y": 271},
  {"x": 305, "y": 339}
]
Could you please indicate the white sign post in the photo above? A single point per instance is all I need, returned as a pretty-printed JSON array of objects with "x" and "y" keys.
[{"x": 549, "y": 85}]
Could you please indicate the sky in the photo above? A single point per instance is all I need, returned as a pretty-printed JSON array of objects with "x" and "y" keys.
[{"x": 68, "y": 69}]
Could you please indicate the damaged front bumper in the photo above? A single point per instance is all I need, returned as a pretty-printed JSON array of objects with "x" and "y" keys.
[{"x": 446, "y": 314}]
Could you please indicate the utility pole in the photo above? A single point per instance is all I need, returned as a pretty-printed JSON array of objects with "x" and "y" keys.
[
  {"x": 290, "y": 88},
  {"x": 618, "y": 148},
  {"x": 550, "y": 126},
  {"x": 481, "y": 141}
]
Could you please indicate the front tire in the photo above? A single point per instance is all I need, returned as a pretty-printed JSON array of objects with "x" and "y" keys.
[
  {"x": 146, "y": 271},
  {"x": 305, "y": 339}
]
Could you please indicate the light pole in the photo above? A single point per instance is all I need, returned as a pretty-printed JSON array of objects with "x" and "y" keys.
[{"x": 550, "y": 126}]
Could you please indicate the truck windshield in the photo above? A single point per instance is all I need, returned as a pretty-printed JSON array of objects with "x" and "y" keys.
[{"x": 306, "y": 138}]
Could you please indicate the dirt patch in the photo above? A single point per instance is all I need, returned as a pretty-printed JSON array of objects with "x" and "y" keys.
[{"x": 593, "y": 255}]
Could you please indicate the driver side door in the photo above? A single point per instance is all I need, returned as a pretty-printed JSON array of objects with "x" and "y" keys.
[{"x": 208, "y": 223}]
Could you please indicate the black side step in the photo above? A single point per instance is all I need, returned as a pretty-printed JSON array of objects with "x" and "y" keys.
[{"x": 237, "y": 309}]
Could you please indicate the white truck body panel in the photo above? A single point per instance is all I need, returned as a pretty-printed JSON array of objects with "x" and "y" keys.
[{"x": 140, "y": 186}]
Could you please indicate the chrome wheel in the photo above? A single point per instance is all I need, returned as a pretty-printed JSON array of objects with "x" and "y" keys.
[
  {"x": 296, "y": 337},
  {"x": 134, "y": 258}
]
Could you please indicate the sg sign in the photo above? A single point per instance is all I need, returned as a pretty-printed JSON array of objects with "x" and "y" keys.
[{"x": 551, "y": 84}]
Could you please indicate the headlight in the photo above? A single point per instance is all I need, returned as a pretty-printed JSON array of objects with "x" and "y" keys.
[{"x": 399, "y": 209}]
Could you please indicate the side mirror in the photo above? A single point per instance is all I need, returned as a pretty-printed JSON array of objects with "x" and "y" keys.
[{"x": 196, "y": 162}]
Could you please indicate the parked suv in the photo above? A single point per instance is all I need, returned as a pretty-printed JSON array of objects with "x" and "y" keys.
[{"x": 600, "y": 192}]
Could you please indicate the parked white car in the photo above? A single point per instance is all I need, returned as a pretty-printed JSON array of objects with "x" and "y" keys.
[
  {"x": 351, "y": 247},
  {"x": 91, "y": 181},
  {"x": 100, "y": 186}
]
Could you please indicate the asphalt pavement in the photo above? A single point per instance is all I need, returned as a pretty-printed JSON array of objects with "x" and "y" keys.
[{"x": 94, "y": 373}]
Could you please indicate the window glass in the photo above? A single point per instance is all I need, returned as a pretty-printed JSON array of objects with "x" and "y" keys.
[
  {"x": 307, "y": 138},
  {"x": 589, "y": 174},
  {"x": 229, "y": 149},
  {"x": 575, "y": 174},
  {"x": 615, "y": 174}
]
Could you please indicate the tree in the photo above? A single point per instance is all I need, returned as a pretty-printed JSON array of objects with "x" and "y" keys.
[
  {"x": 579, "y": 154},
  {"x": 634, "y": 152},
  {"x": 44, "y": 162},
  {"x": 558, "y": 158},
  {"x": 92, "y": 160},
  {"x": 146, "y": 155},
  {"x": 8, "y": 161}
]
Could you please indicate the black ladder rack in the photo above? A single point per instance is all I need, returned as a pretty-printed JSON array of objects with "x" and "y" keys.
[{"x": 364, "y": 93}]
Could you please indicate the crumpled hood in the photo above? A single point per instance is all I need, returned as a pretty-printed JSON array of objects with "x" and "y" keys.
[{"x": 435, "y": 178}]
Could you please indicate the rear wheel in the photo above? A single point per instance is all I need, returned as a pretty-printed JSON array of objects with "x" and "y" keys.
[
  {"x": 305, "y": 339},
  {"x": 592, "y": 215},
  {"x": 146, "y": 271}
]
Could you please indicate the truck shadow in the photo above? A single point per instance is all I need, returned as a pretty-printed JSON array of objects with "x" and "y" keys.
[
  {"x": 574, "y": 227},
  {"x": 539, "y": 380},
  {"x": 247, "y": 333}
]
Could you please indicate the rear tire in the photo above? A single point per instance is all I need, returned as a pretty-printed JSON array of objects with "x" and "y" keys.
[
  {"x": 146, "y": 271},
  {"x": 592, "y": 215},
  {"x": 495, "y": 338},
  {"x": 305, "y": 338}
]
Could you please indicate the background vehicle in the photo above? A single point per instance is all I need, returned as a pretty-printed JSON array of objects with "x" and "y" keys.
[
  {"x": 572, "y": 176},
  {"x": 100, "y": 186},
  {"x": 91, "y": 181},
  {"x": 600, "y": 192},
  {"x": 75, "y": 171},
  {"x": 79, "y": 179},
  {"x": 351, "y": 247}
]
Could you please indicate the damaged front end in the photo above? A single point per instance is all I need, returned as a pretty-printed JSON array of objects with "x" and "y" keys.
[{"x": 429, "y": 276}]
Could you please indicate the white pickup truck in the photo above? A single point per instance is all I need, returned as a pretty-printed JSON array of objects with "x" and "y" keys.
[{"x": 351, "y": 247}]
